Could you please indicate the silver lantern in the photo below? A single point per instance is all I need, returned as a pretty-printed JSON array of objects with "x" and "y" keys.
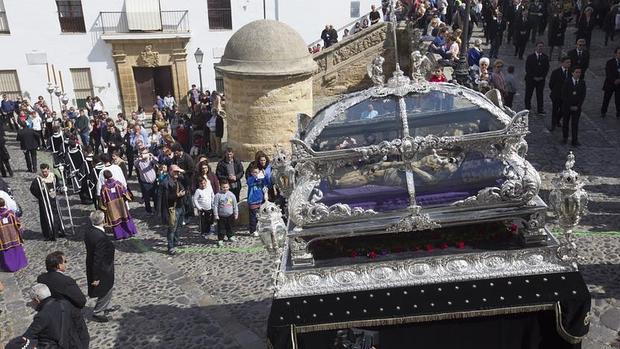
[{"x": 569, "y": 201}]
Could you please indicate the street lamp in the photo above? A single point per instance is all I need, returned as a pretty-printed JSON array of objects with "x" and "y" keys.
[
  {"x": 50, "y": 89},
  {"x": 65, "y": 100},
  {"x": 58, "y": 93},
  {"x": 462, "y": 68},
  {"x": 199, "y": 55}
]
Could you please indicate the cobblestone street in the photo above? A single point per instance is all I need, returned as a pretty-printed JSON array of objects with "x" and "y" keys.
[{"x": 207, "y": 297}]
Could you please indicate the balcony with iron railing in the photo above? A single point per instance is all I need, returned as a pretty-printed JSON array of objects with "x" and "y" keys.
[
  {"x": 4, "y": 24},
  {"x": 112, "y": 24}
]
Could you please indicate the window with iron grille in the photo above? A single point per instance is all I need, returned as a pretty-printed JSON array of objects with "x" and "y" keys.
[
  {"x": 71, "y": 16},
  {"x": 220, "y": 16},
  {"x": 82, "y": 85},
  {"x": 4, "y": 24},
  {"x": 9, "y": 84}
]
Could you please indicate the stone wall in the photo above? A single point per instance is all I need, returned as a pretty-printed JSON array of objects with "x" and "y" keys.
[
  {"x": 263, "y": 111},
  {"x": 342, "y": 67}
]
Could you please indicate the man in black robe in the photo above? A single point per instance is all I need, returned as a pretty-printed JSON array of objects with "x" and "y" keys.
[{"x": 44, "y": 188}]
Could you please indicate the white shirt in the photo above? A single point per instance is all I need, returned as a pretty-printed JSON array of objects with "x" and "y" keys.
[
  {"x": 169, "y": 102},
  {"x": 203, "y": 198},
  {"x": 117, "y": 174},
  {"x": 36, "y": 123}
]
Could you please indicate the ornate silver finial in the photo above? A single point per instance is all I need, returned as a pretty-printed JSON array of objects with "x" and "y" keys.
[
  {"x": 569, "y": 202},
  {"x": 282, "y": 172},
  {"x": 375, "y": 71},
  {"x": 271, "y": 227},
  {"x": 419, "y": 67},
  {"x": 399, "y": 82},
  {"x": 414, "y": 221}
]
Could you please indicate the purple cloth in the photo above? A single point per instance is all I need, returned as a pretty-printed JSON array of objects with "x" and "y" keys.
[
  {"x": 124, "y": 230},
  {"x": 13, "y": 259}
]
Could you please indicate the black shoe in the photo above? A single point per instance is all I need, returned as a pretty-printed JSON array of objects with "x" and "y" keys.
[
  {"x": 101, "y": 318},
  {"x": 542, "y": 112},
  {"x": 565, "y": 140},
  {"x": 603, "y": 115},
  {"x": 112, "y": 309},
  {"x": 172, "y": 252},
  {"x": 575, "y": 143}
]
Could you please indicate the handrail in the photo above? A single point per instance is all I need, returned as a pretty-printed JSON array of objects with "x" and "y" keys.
[{"x": 347, "y": 26}]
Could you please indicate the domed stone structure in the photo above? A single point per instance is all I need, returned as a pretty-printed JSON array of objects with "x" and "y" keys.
[{"x": 267, "y": 80}]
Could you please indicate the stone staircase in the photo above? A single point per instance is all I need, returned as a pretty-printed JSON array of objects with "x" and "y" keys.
[{"x": 342, "y": 66}]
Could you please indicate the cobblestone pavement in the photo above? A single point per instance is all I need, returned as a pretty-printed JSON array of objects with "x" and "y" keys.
[{"x": 219, "y": 298}]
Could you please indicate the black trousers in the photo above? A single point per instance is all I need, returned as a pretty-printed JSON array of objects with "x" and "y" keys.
[
  {"x": 530, "y": 85},
  {"x": 556, "y": 112},
  {"x": 149, "y": 193},
  {"x": 236, "y": 190},
  {"x": 206, "y": 219},
  {"x": 571, "y": 117},
  {"x": 31, "y": 160},
  {"x": 607, "y": 99},
  {"x": 224, "y": 226}
]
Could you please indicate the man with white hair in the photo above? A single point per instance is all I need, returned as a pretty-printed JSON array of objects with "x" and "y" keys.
[
  {"x": 99, "y": 267},
  {"x": 53, "y": 325}
]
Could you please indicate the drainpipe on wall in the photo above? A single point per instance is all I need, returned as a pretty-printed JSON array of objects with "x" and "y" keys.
[{"x": 277, "y": 9}]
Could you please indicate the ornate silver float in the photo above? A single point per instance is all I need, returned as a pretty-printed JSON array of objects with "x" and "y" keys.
[{"x": 403, "y": 161}]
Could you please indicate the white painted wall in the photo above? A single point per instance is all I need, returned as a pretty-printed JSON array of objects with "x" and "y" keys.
[{"x": 34, "y": 27}]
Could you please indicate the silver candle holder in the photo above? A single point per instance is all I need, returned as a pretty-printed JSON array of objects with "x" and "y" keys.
[{"x": 569, "y": 201}]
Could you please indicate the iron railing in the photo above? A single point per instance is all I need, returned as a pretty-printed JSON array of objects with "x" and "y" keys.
[
  {"x": 116, "y": 22},
  {"x": 220, "y": 18},
  {"x": 349, "y": 26},
  {"x": 4, "y": 23}
]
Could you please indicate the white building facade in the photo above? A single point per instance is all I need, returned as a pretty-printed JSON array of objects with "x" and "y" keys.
[{"x": 128, "y": 51}]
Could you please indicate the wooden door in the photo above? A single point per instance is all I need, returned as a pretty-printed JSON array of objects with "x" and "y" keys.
[
  {"x": 163, "y": 81},
  {"x": 145, "y": 87}
]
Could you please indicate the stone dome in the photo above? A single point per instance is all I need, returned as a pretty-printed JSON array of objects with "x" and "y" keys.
[{"x": 266, "y": 47}]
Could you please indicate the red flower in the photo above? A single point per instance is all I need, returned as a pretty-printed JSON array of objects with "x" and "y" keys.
[
  {"x": 443, "y": 246},
  {"x": 514, "y": 228},
  {"x": 353, "y": 254},
  {"x": 460, "y": 244},
  {"x": 429, "y": 247},
  {"x": 372, "y": 255}
]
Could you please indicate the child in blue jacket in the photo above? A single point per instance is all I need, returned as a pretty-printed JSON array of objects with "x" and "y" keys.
[{"x": 256, "y": 196}]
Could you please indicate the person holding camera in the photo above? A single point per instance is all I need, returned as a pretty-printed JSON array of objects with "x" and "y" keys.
[{"x": 146, "y": 166}]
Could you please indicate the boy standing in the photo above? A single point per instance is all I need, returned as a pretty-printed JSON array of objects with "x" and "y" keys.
[
  {"x": 203, "y": 202},
  {"x": 224, "y": 211},
  {"x": 256, "y": 196}
]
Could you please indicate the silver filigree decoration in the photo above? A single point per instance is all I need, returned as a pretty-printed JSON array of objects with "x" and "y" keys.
[
  {"x": 415, "y": 220},
  {"x": 420, "y": 271},
  {"x": 375, "y": 71},
  {"x": 569, "y": 201},
  {"x": 300, "y": 256}
]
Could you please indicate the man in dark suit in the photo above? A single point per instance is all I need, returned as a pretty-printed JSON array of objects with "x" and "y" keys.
[
  {"x": 64, "y": 287},
  {"x": 61, "y": 285},
  {"x": 556, "y": 83},
  {"x": 495, "y": 33},
  {"x": 536, "y": 69},
  {"x": 28, "y": 142},
  {"x": 52, "y": 326},
  {"x": 522, "y": 27},
  {"x": 580, "y": 57},
  {"x": 99, "y": 267},
  {"x": 612, "y": 83},
  {"x": 573, "y": 95}
]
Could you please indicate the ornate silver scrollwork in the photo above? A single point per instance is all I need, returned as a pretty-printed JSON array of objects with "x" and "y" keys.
[
  {"x": 569, "y": 201},
  {"x": 419, "y": 68},
  {"x": 271, "y": 227},
  {"x": 414, "y": 221}
]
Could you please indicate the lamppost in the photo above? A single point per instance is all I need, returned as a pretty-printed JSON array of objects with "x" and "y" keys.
[
  {"x": 462, "y": 68},
  {"x": 58, "y": 93},
  {"x": 199, "y": 55},
  {"x": 50, "y": 89},
  {"x": 65, "y": 100}
]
